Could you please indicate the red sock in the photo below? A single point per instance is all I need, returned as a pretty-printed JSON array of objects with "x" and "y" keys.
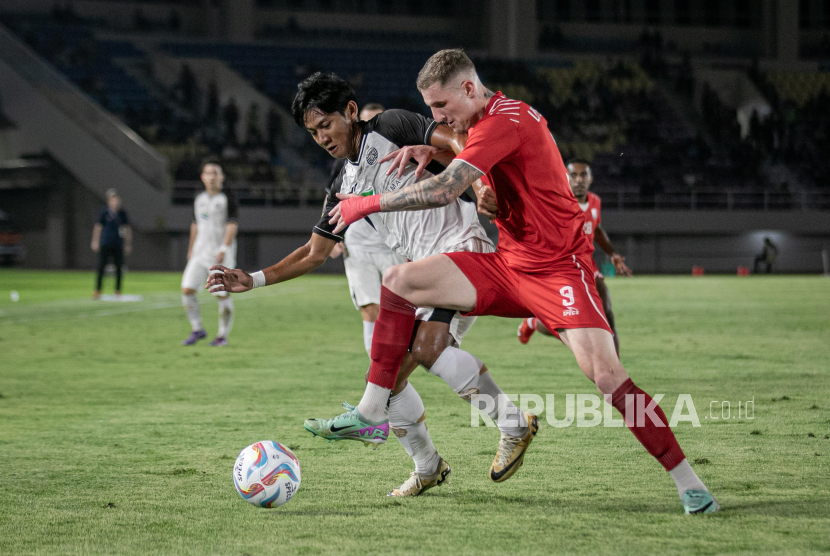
[
  {"x": 659, "y": 440},
  {"x": 390, "y": 340}
]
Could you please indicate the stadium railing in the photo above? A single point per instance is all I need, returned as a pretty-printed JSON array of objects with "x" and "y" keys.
[
  {"x": 264, "y": 194},
  {"x": 631, "y": 198}
]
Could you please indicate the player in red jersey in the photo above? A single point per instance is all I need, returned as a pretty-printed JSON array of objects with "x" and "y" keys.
[
  {"x": 580, "y": 179},
  {"x": 543, "y": 266}
]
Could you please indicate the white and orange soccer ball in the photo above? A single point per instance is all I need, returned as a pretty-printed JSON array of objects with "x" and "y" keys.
[{"x": 266, "y": 474}]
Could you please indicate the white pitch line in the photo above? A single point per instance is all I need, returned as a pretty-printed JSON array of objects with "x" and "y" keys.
[{"x": 9, "y": 319}]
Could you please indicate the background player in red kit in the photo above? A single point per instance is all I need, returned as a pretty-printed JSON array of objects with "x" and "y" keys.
[
  {"x": 580, "y": 178},
  {"x": 543, "y": 266}
]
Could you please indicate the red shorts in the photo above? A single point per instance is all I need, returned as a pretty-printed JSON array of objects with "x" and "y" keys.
[{"x": 564, "y": 296}]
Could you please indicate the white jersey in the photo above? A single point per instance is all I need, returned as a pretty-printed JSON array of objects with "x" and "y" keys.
[
  {"x": 361, "y": 237},
  {"x": 212, "y": 214},
  {"x": 413, "y": 234}
]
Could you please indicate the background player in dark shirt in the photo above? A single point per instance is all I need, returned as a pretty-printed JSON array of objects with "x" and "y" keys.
[{"x": 112, "y": 238}]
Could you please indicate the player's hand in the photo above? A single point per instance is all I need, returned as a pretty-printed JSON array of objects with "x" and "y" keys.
[
  {"x": 619, "y": 265},
  {"x": 228, "y": 280},
  {"x": 422, "y": 154},
  {"x": 351, "y": 209},
  {"x": 220, "y": 257},
  {"x": 487, "y": 203},
  {"x": 337, "y": 251},
  {"x": 337, "y": 212}
]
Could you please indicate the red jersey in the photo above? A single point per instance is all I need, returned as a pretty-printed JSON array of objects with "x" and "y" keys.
[
  {"x": 539, "y": 219},
  {"x": 591, "y": 212}
]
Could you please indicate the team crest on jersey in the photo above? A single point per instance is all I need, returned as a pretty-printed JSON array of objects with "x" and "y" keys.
[
  {"x": 594, "y": 213},
  {"x": 372, "y": 156},
  {"x": 570, "y": 312}
]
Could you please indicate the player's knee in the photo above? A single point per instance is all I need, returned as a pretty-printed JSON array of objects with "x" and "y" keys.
[
  {"x": 609, "y": 377},
  {"x": 426, "y": 353},
  {"x": 394, "y": 278},
  {"x": 369, "y": 312}
]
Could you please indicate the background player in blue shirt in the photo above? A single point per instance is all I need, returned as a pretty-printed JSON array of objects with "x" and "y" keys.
[{"x": 112, "y": 238}]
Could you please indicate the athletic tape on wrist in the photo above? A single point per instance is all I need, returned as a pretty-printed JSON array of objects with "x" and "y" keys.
[{"x": 259, "y": 279}]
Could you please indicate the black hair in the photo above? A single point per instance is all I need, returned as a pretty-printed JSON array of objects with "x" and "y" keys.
[
  {"x": 325, "y": 92},
  {"x": 211, "y": 160},
  {"x": 577, "y": 161}
]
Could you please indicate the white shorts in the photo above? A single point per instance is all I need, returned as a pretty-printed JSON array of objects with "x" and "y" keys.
[
  {"x": 197, "y": 270},
  {"x": 364, "y": 272},
  {"x": 460, "y": 325}
]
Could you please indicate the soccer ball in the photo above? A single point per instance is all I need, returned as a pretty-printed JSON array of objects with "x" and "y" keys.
[{"x": 266, "y": 474}]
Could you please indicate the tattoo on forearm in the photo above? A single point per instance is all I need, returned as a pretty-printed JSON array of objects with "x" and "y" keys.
[{"x": 438, "y": 191}]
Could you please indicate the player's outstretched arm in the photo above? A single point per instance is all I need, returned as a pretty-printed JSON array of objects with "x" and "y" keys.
[
  {"x": 438, "y": 191},
  {"x": 604, "y": 242},
  {"x": 302, "y": 261}
]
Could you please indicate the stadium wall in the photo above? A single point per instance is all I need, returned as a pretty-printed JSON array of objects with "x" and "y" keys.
[{"x": 653, "y": 242}]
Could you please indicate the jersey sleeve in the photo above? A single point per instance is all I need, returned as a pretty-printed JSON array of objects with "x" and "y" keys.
[
  {"x": 492, "y": 140},
  {"x": 233, "y": 208},
  {"x": 403, "y": 127},
  {"x": 323, "y": 228}
]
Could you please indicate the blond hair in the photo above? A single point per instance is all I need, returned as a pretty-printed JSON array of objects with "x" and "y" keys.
[{"x": 443, "y": 66}]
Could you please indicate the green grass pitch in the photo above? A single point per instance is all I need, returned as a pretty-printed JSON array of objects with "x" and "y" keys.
[{"x": 115, "y": 439}]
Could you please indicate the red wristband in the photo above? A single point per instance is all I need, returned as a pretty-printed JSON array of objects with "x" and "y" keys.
[{"x": 356, "y": 208}]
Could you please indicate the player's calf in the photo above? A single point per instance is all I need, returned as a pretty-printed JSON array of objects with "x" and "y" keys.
[{"x": 643, "y": 417}]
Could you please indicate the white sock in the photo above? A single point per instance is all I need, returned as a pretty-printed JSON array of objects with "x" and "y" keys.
[
  {"x": 368, "y": 330},
  {"x": 460, "y": 370},
  {"x": 373, "y": 404},
  {"x": 531, "y": 322},
  {"x": 685, "y": 478},
  {"x": 406, "y": 419},
  {"x": 191, "y": 307},
  {"x": 225, "y": 316}
]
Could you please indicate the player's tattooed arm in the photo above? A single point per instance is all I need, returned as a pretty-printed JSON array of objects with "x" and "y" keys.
[{"x": 438, "y": 191}]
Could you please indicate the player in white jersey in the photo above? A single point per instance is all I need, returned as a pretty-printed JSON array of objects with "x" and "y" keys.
[
  {"x": 325, "y": 106},
  {"x": 212, "y": 241},
  {"x": 365, "y": 255}
]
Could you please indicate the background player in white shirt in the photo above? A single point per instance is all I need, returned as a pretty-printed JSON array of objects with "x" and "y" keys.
[
  {"x": 365, "y": 255},
  {"x": 212, "y": 241}
]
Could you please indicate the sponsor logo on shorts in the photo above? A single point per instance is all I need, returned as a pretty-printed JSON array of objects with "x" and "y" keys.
[
  {"x": 372, "y": 156},
  {"x": 570, "y": 311}
]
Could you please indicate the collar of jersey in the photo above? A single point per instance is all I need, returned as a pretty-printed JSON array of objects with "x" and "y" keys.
[{"x": 360, "y": 152}]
